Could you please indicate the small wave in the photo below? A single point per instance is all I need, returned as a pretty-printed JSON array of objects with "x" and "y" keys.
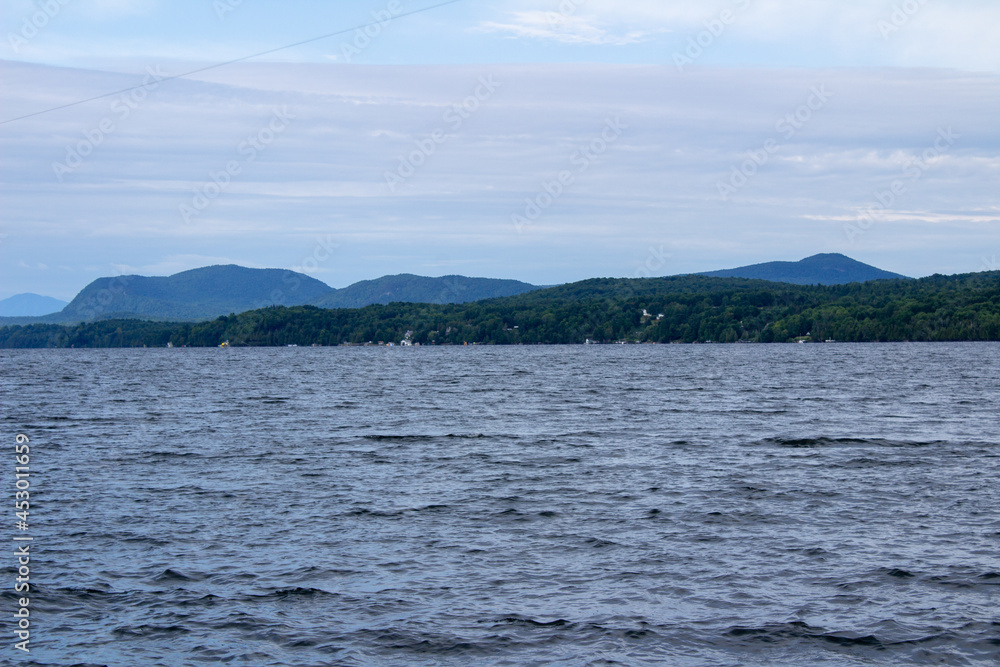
[
  {"x": 150, "y": 631},
  {"x": 364, "y": 511},
  {"x": 205, "y": 600},
  {"x": 807, "y": 443},
  {"x": 432, "y": 644},
  {"x": 598, "y": 543},
  {"x": 174, "y": 575},
  {"x": 800, "y": 630},
  {"x": 899, "y": 573},
  {"x": 295, "y": 592},
  {"x": 387, "y": 514},
  {"x": 530, "y": 622},
  {"x": 171, "y": 455},
  {"x": 143, "y": 539},
  {"x": 390, "y": 437}
]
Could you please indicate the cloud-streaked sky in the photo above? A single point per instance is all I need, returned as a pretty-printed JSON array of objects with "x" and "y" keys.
[{"x": 543, "y": 141}]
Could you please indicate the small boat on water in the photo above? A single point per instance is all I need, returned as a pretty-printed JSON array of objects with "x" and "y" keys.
[{"x": 225, "y": 344}]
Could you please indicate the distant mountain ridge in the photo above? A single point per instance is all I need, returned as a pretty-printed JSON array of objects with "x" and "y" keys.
[
  {"x": 822, "y": 269},
  {"x": 409, "y": 288},
  {"x": 212, "y": 291},
  {"x": 30, "y": 305},
  {"x": 197, "y": 294},
  {"x": 680, "y": 309}
]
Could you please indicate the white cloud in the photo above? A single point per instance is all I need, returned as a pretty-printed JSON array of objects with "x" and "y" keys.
[
  {"x": 774, "y": 33},
  {"x": 172, "y": 264},
  {"x": 325, "y": 175},
  {"x": 566, "y": 29},
  {"x": 919, "y": 33},
  {"x": 914, "y": 216}
]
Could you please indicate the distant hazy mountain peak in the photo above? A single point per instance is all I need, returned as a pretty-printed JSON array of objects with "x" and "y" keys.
[
  {"x": 406, "y": 287},
  {"x": 30, "y": 305},
  {"x": 211, "y": 291},
  {"x": 196, "y": 294},
  {"x": 821, "y": 269}
]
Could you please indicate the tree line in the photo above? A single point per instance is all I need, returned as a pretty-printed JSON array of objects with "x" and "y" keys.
[{"x": 656, "y": 310}]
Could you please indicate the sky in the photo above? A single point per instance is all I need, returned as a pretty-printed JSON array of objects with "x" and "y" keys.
[{"x": 542, "y": 141}]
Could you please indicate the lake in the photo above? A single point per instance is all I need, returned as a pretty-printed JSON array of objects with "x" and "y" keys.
[{"x": 581, "y": 505}]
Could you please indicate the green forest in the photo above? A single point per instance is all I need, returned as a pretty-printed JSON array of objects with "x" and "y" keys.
[{"x": 689, "y": 309}]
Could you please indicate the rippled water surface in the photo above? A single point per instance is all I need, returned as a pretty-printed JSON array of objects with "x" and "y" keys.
[{"x": 679, "y": 505}]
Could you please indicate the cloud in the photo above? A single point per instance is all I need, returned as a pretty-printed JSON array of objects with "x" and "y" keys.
[
  {"x": 566, "y": 29},
  {"x": 322, "y": 181},
  {"x": 917, "y": 216},
  {"x": 769, "y": 33},
  {"x": 172, "y": 264},
  {"x": 919, "y": 33}
]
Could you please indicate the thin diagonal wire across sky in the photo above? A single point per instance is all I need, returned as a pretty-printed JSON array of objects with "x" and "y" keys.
[{"x": 234, "y": 61}]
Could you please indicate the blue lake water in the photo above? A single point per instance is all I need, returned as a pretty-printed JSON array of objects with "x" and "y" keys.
[{"x": 618, "y": 505}]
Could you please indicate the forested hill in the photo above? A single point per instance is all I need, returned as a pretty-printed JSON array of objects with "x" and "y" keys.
[
  {"x": 211, "y": 291},
  {"x": 409, "y": 288},
  {"x": 193, "y": 295},
  {"x": 823, "y": 269},
  {"x": 661, "y": 310}
]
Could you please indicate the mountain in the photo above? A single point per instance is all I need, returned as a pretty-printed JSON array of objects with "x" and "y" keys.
[
  {"x": 825, "y": 269},
  {"x": 206, "y": 293},
  {"x": 648, "y": 310},
  {"x": 418, "y": 289},
  {"x": 30, "y": 305},
  {"x": 198, "y": 294}
]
